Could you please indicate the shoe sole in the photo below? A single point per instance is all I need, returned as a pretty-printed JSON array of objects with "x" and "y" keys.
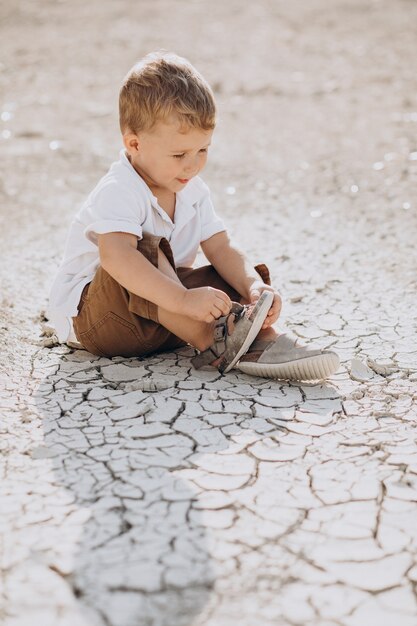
[
  {"x": 310, "y": 368},
  {"x": 260, "y": 312}
]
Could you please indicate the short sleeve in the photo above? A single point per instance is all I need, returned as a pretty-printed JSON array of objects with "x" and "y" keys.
[
  {"x": 112, "y": 209},
  {"x": 210, "y": 222}
]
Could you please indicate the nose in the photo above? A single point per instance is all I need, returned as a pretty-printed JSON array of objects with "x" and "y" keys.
[{"x": 189, "y": 169}]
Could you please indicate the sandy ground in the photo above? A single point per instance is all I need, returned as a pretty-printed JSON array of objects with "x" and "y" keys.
[{"x": 139, "y": 493}]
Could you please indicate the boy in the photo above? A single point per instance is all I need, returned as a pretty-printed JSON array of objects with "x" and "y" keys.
[{"x": 126, "y": 285}]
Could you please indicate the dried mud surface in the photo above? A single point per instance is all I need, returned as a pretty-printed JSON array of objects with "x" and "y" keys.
[{"x": 144, "y": 493}]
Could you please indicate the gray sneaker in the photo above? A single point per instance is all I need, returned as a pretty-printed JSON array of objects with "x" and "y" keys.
[
  {"x": 287, "y": 358},
  {"x": 234, "y": 333}
]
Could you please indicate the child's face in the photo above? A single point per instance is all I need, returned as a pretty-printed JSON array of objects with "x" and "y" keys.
[{"x": 168, "y": 155}]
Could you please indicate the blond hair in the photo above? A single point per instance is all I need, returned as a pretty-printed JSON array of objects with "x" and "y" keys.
[{"x": 161, "y": 86}]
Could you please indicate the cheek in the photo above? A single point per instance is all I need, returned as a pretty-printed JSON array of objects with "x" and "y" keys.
[
  {"x": 200, "y": 162},
  {"x": 175, "y": 166},
  {"x": 170, "y": 165}
]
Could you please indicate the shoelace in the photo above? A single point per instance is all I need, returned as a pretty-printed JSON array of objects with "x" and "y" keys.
[
  {"x": 238, "y": 310},
  {"x": 221, "y": 329}
]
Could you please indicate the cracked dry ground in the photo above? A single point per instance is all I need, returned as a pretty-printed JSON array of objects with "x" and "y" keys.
[{"x": 144, "y": 493}]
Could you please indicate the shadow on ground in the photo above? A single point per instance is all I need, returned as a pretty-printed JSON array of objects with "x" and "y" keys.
[{"x": 153, "y": 460}]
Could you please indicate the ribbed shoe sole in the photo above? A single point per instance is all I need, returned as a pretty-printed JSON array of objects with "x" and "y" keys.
[
  {"x": 259, "y": 313},
  {"x": 310, "y": 368}
]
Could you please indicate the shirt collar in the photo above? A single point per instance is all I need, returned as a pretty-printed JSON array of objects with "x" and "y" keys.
[{"x": 192, "y": 193}]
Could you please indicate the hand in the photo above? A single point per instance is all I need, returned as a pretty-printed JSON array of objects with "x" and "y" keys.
[
  {"x": 255, "y": 290},
  {"x": 205, "y": 304}
]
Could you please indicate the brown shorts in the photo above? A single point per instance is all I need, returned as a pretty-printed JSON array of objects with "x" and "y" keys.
[{"x": 112, "y": 321}]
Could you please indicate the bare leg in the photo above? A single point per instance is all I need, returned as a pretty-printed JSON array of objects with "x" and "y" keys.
[{"x": 198, "y": 334}]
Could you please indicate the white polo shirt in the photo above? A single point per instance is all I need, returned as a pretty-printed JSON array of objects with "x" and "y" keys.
[{"x": 122, "y": 202}]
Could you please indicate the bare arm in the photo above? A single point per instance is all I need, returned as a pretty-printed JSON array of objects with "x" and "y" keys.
[
  {"x": 233, "y": 266},
  {"x": 121, "y": 259},
  {"x": 230, "y": 263}
]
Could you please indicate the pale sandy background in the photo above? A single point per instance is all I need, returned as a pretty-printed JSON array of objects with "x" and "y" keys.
[{"x": 314, "y": 169}]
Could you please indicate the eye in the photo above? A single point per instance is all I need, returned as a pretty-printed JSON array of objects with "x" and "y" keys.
[
  {"x": 204, "y": 150},
  {"x": 179, "y": 156}
]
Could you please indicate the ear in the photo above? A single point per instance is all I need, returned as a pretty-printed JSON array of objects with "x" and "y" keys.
[{"x": 131, "y": 143}]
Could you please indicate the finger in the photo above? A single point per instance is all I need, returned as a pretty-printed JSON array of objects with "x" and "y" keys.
[
  {"x": 220, "y": 308},
  {"x": 276, "y": 304},
  {"x": 257, "y": 292},
  {"x": 277, "y": 309},
  {"x": 271, "y": 319},
  {"x": 221, "y": 294},
  {"x": 255, "y": 295},
  {"x": 274, "y": 310},
  {"x": 224, "y": 304},
  {"x": 227, "y": 301}
]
